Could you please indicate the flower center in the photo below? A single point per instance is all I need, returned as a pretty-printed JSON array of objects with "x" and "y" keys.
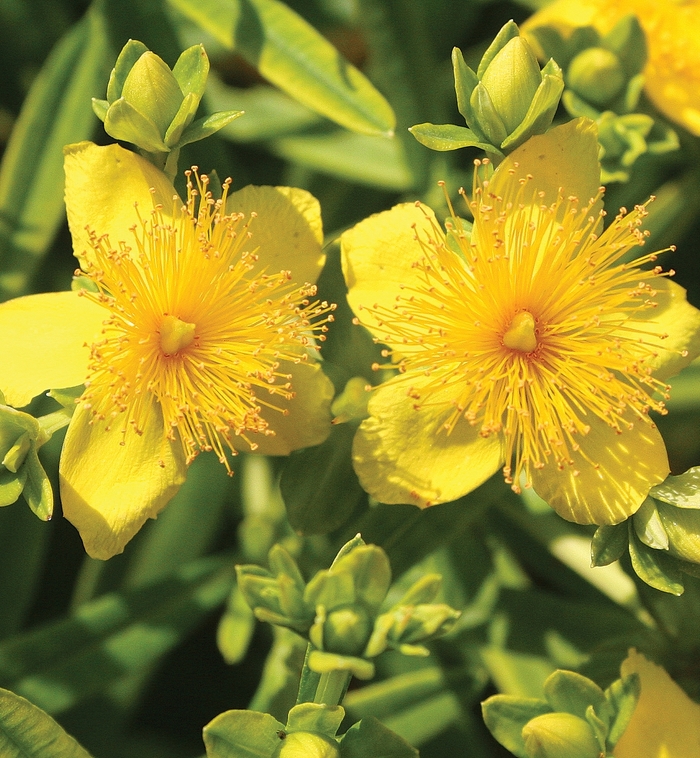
[
  {"x": 175, "y": 335},
  {"x": 521, "y": 334}
]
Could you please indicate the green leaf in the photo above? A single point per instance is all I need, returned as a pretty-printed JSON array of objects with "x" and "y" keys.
[
  {"x": 608, "y": 544},
  {"x": 314, "y": 717},
  {"x": 654, "y": 567},
  {"x": 683, "y": 491},
  {"x": 206, "y": 126},
  {"x": 319, "y": 486},
  {"x": 99, "y": 108},
  {"x": 11, "y": 485},
  {"x": 371, "y": 739},
  {"x": 444, "y": 137},
  {"x": 56, "y": 112},
  {"x": 291, "y": 54},
  {"x": 365, "y": 159},
  {"x": 124, "y": 122},
  {"x": 235, "y": 629},
  {"x": 572, "y": 693},
  {"x": 191, "y": 71},
  {"x": 61, "y": 663},
  {"x": 505, "y": 716},
  {"x": 126, "y": 59},
  {"x": 465, "y": 81},
  {"x": 37, "y": 491},
  {"x": 27, "y": 732},
  {"x": 242, "y": 734},
  {"x": 649, "y": 527},
  {"x": 622, "y": 695}
]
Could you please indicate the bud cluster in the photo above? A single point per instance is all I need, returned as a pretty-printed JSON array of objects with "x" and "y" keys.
[
  {"x": 604, "y": 80},
  {"x": 663, "y": 536},
  {"x": 576, "y": 718},
  {"x": 153, "y": 107},
  {"x": 339, "y": 610},
  {"x": 505, "y": 102}
]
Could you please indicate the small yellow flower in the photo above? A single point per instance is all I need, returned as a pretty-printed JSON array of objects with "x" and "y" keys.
[
  {"x": 673, "y": 38},
  {"x": 533, "y": 344},
  {"x": 192, "y": 336},
  {"x": 665, "y": 723}
]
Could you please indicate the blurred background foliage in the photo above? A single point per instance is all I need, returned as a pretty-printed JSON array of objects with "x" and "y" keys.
[{"x": 135, "y": 655}]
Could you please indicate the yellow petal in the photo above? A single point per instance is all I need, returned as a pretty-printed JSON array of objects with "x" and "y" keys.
[
  {"x": 378, "y": 256},
  {"x": 564, "y": 159},
  {"x": 308, "y": 419},
  {"x": 627, "y": 466},
  {"x": 404, "y": 455},
  {"x": 102, "y": 185},
  {"x": 677, "y": 318},
  {"x": 45, "y": 341},
  {"x": 665, "y": 723},
  {"x": 109, "y": 489},
  {"x": 287, "y": 232}
]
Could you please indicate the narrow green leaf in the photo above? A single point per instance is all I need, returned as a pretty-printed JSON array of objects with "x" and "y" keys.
[
  {"x": 465, "y": 81},
  {"x": 291, "y": 54},
  {"x": 27, "y": 732},
  {"x": 38, "y": 491},
  {"x": 447, "y": 137},
  {"x": 236, "y": 628},
  {"x": 242, "y": 734},
  {"x": 57, "y": 111},
  {"x": 60, "y": 664}
]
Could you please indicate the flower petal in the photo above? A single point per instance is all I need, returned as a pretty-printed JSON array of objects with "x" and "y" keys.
[
  {"x": 308, "y": 418},
  {"x": 677, "y": 318},
  {"x": 562, "y": 161},
  {"x": 627, "y": 466},
  {"x": 112, "y": 482},
  {"x": 46, "y": 339},
  {"x": 404, "y": 455},
  {"x": 378, "y": 256},
  {"x": 102, "y": 186},
  {"x": 665, "y": 723},
  {"x": 287, "y": 233}
]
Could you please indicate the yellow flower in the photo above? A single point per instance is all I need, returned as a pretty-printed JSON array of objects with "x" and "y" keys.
[
  {"x": 665, "y": 723},
  {"x": 673, "y": 37},
  {"x": 193, "y": 336},
  {"x": 532, "y": 344}
]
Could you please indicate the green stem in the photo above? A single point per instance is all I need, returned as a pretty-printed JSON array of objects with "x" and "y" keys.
[
  {"x": 52, "y": 422},
  {"x": 332, "y": 687}
]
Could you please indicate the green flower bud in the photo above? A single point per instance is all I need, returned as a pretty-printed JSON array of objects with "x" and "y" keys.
[
  {"x": 511, "y": 79},
  {"x": 346, "y": 630},
  {"x": 682, "y": 526},
  {"x": 560, "y": 735},
  {"x": 306, "y": 745},
  {"x": 597, "y": 75}
]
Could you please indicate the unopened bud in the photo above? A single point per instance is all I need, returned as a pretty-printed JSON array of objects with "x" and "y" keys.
[
  {"x": 596, "y": 75},
  {"x": 306, "y": 745},
  {"x": 560, "y": 735},
  {"x": 682, "y": 526}
]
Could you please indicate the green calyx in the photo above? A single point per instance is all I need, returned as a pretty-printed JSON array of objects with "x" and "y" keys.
[
  {"x": 505, "y": 102},
  {"x": 576, "y": 718},
  {"x": 153, "y": 107},
  {"x": 340, "y": 610}
]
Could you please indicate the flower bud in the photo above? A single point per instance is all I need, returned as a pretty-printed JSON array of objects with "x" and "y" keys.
[
  {"x": 346, "y": 630},
  {"x": 596, "y": 75},
  {"x": 682, "y": 526},
  {"x": 306, "y": 745},
  {"x": 560, "y": 735},
  {"x": 511, "y": 79}
]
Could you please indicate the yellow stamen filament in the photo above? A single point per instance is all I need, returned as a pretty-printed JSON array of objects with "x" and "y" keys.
[
  {"x": 194, "y": 326},
  {"x": 538, "y": 326}
]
